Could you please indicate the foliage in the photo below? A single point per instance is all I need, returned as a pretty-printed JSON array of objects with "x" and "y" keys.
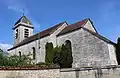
[
  {"x": 3, "y": 59},
  {"x": 15, "y": 60},
  {"x": 66, "y": 57},
  {"x": 69, "y": 58},
  {"x": 118, "y": 50},
  {"x": 63, "y": 56},
  {"x": 57, "y": 55},
  {"x": 49, "y": 53}
]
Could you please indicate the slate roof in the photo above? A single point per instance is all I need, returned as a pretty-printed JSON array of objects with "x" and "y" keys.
[
  {"x": 79, "y": 25},
  {"x": 73, "y": 27},
  {"x": 38, "y": 35},
  {"x": 23, "y": 19}
]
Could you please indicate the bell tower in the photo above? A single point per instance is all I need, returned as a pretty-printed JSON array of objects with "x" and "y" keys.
[{"x": 23, "y": 29}]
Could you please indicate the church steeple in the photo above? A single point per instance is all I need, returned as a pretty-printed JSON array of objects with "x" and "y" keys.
[
  {"x": 23, "y": 19},
  {"x": 23, "y": 29}
]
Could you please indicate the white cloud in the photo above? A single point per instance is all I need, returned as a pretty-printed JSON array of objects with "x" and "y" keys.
[
  {"x": 4, "y": 47},
  {"x": 16, "y": 6}
]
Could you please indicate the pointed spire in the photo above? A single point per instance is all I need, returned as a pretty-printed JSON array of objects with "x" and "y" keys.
[{"x": 24, "y": 19}]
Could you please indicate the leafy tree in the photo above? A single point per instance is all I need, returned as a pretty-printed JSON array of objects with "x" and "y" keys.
[
  {"x": 15, "y": 60},
  {"x": 66, "y": 58},
  {"x": 49, "y": 53},
  {"x": 69, "y": 53},
  {"x": 57, "y": 55},
  {"x": 118, "y": 50},
  {"x": 3, "y": 58},
  {"x": 63, "y": 56}
]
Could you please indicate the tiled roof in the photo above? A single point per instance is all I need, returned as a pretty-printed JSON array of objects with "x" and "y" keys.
[
  {"x": 81, "y": 24},
  {"x": 73, "y": 27},
  {"x": 38, "y": 35}
]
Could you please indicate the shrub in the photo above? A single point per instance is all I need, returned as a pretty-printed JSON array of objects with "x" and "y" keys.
[
  {"x": 49, "y": 53},
  {"x": 63, "y": 56},
  {"x": 118, "y": 50}
]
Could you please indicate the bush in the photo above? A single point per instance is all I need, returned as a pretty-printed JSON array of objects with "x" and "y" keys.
[
  {"x": 3, "y": 59},
  {"x": 15, "y": 60},
  {"x": 118, "y": 50},
  {"x": 49, "y": 53},
  {"x": 63, "y": 56}
]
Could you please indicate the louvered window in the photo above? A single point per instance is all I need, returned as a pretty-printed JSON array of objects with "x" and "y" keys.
[
  {"x": 26, "y": 33},
  {"x": 16, "y": 34}
]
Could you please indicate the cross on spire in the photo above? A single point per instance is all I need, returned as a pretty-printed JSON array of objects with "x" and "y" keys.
[{"x": 23, "y": 12}]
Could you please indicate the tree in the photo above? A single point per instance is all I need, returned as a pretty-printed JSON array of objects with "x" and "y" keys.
[
  {"x": 57, "y": 55},
  {"x": 15, "y": 60},
  {"x": 118, "y": 50},
  {"x": 3, "y": 58},
  {"x": 69, "y": 53},
  {"x": 66, "y": 57},
  {"x": 49, "y": 53},
  {"x": 63, "y": 56}
]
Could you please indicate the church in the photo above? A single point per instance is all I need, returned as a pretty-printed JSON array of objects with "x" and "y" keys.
[{"x": 89, "y": 48}]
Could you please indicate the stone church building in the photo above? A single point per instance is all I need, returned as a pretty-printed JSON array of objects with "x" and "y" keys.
[{"x": 89, "y": 48}]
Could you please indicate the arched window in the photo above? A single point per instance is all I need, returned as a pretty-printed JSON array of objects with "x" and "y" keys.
[
  {"x": 68, "y": 44},
  {"x": 34, "y": 53},
  {"x": 19, "y": 53},
  {"x": 68, "y": 50}
]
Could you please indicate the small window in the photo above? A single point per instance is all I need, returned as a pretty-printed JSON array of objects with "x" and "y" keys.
[
  {"x": 34, "y": 53},
  {"x": 26, "y": 33},
  {"x": 16, "y": 34},
  {"x": 19, "y": 53}
]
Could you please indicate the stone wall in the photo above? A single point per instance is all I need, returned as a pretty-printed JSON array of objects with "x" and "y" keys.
[
  {"x": 88, "y": 72},
  {"x": 27, "y": 49},
  {"x": 102, "y": 72},
  {"x": 87, "y": 49},
  {"x": 49, "y": 73}
]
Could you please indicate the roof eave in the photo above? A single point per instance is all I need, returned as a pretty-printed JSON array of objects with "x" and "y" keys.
[
  {"x": 100, "y": 36},
  {"x": 74, "y": 29}
]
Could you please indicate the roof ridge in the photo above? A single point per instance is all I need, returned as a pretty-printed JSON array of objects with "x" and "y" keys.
[
  {"x": 73, "y": 26},
  {"x": 52, "y": 26},
  {"x": 37, "y": 35},
  {"x": 86, "y": 19},
  {"x": 45, "y": 30},
  {"x": 98, "y": 35}
]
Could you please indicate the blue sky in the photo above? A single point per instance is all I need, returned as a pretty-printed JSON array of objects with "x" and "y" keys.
[{"x": 105, "y": 15}]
